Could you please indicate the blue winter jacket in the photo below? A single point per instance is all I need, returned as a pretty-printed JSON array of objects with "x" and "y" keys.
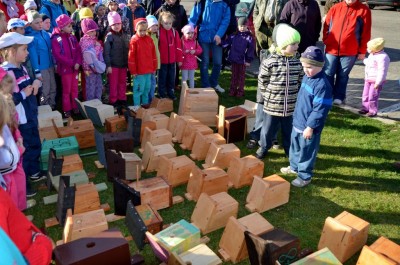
[
  {"x": 241, "y": 47},
  {"x": 313, "y": 103},
  {"x": 56, "y": 11},
  {"x": 39, "y": 49},
  {"x": 216, "y": 17}
]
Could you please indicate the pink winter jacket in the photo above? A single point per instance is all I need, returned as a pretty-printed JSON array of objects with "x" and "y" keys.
[
  {"x": 376, "y": 67},
  {"x": 190, "y": 60},
  {"x": 66, "y": 51}
]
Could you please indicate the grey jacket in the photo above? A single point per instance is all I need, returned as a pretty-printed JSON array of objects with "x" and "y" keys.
[
  {"x": 262, "y": 13},
  {"x": 116, "y": 47}
]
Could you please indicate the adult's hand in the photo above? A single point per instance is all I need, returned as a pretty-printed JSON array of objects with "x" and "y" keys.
[{"x": 361, "y": 57}]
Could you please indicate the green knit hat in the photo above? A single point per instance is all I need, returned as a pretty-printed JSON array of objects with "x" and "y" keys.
[{"x": 284, "y": 35}]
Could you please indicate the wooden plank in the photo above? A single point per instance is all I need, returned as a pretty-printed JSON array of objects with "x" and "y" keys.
[
  {"x": 221, "y": 120},
  {"x": 177, "y": 199},
  {"x": 49, "y": 222},
  {"x": 112, "y": 217}
]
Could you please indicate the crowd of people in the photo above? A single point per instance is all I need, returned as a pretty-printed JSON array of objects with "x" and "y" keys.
[{"x": 48, "y": 47}]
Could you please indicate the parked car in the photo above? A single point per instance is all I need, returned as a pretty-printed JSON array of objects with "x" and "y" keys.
[{"x": 392, "y": 3}]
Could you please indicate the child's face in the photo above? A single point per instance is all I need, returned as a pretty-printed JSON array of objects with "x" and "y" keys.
[
  {"x": 92, "y": 33},
  {"x": 19, "y": 30},
  {"x": 154, "y": 28},
  {"x": 113, "y": 6},
  {"x": 46, "y": 24},
  {"x": 170, "y": 2},
  {"x": 291, "y": 49},
  {"x": 166, "y": 23},
  {"x": 117, "y": 27},
  {"x": 67, "y": 29},
  {"x": 101, "y": 11},
  {"x": 189, "y": 35},
  {"x": 311, "y": 70},
  {"x": 30, "y": 9},
  {"x": 141, "y": 29},
  {"x": 21, "y": 53},
  {"x": 242, "y": 28},
  {"x": 37, "y": 24},
  {"x": 3, "y": 24}
]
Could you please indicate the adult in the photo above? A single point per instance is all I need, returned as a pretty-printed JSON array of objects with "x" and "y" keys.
[
  {"x": 266, "y": 15},
  {"x": 53, "y": 9},
  {"x": 152, "y": 6},
  {"x": 305, "y": 17},
  {"x": 212, "y": 19},
  {"x": 345, "y": 44},
  {"x": 11, "y": 8}
]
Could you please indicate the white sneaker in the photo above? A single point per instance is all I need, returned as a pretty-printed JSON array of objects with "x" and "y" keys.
[
  {"x": 134, "y": 108},
  {"x": 219, "y": 89},
  {"x": 338, "y": 102},
  {"x": 30, "y": 203},
  {"x": 300, "y": 183},
  {"x": 288, "y": 170}
]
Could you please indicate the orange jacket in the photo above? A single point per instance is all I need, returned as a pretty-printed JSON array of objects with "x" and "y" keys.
[
  {"x": 142, "y": 57},
  {"x": 347, "y": 29}
]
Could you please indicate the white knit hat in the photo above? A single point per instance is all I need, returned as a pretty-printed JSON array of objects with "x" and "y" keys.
[{"x": 29, "y": 4}]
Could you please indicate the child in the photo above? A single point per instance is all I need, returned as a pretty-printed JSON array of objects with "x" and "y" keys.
[
  {"x": 152, "y": 31},
  {"x": 279, "y": 81},
  {"x": 376, "y": 68},
  {"x": 112, "y": 5},
  {"x": 100, "y": 11},
  {"x": 46, "y": 24},
  {"x": 133, "y": 11},
  {"x": 14, "y": 50},
  {"x": 190, "y": 50},
  {"x": 240, "y": 55},
  {"x": 77, "y": 17},
  {"x": 29, "y": 5},
  {"x": 93, "y": 62},
  {"x": 41, "y": 58},
  {"x": 68, "y": 56},
  {"x": 116, "y": 59},
  {"x": 312, "y": 107},
  {"x": 142, "y": 62},
  {"x": 170, "y": 54},
  {"x": 16, "y": 25}
]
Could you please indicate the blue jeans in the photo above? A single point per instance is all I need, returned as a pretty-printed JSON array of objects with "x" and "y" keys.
[
  {"x": 341, "y": 67},
  {"x": 152, "y": 87},
  {"x": 206, "y": 80},
  {"x": 270, "y": 129},
  {"x": 166, "y": 80},
  {"x": 303, "y": 153}
]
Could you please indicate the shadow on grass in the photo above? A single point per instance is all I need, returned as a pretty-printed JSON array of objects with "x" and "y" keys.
[
  {"x": 340, "y": 123},
  {"x": 358, "y": 152}
]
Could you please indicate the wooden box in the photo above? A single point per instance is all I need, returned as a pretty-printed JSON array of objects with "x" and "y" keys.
[
  {"x": 116, "y": 124},
  {"x": 175, "y": 170},
  {"x": 107, "y": 247},
  {"x": 156, "y": 137},
  {"x": 81, "y": 105},
  {"x": 232, "y": 244},
  {"x": 249, "y": 108},
  {"x": 47, "y": 133},
  {"x": 151, "y": 155},
  {"x": 123, "y": 165},
  {"x": 179, "y": 237},
  {"x": 162, "y": 104},
  {"x": 181, "y": 123},
  {"x": 44, "y": 109},
  {"x": 161, "y": 120},
  {"x": 210, "y": 181},
  {"x": 86, "y": 198},
  {"x": 76, "y": 177},
  {"x": 46, "y": 119},
  {"x": 71, "y": 163},
  {"x": 344, "y": 235},
  {"x": 99, "y": 113},
  {"x": 63, "y": 146},
  {"x": 145, "y": 114},
  {"x": 65, "y": 198},
  {"x": 154, "y": 191},
  {"x": 232, "y": 123},
  {"x": 213, "y": 212},
  {"x": 273, "y": 246},
  {"x": 382, "y": 252},
  {"x": 202, "y": 143},
  {"x": 83, "y": 130},
  {"x": 118, "y": 141},
  {"x": 242, "y": 170},
  {"x": 173, "y": 117},
  {"x": 190, "y": 133},
  {"x": 198, "y": 255},
  {"x": 321, "y": 257},
  {"x": 133, "y": 165},
  {"x": 221, "y": 155},
  {"x": 84, "y": 225},
  {"x": 123, "y": 193}
]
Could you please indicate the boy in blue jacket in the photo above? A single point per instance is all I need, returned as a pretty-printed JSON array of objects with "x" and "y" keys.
[{"x": 313, "y": 104}]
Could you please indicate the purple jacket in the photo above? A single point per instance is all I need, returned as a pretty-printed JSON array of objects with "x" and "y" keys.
[
  {"x": 241, "y": 47},
  {"x": 66, "y": 52},
  {"x": 376, "y": 67}
]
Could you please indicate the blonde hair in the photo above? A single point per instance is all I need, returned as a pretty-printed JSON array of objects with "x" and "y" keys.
[
  {"x": 166, "y": 15},
  {"x": 6, "y": 87},
  {"x": 6, "y": 52}
]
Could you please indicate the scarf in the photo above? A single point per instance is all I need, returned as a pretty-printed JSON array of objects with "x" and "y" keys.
[{"x": 12, "y": 9}]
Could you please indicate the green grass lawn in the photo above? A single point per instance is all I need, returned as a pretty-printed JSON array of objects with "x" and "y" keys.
[{"x": 353, "y": 172}]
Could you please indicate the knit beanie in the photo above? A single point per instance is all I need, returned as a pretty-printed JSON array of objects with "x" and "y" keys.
[
  {"x": 313, "y": 56},
  {"x": 32, "y": 15},
  {"x": 44, "y": 17},
  {"x": 188, "y": 28},
  {"x": 376, "y": 45},
  {"x": 85, "y": 12},
  {"x": 151, "y": 20},
  {"x": 284, "y": 35},
  {"x": 138, "y": 21},
  {"x": 88, "y": 25},
  {"x": 111, "y": 1},
  {"x": 113, "y": 18},
  {"x": 242, "y": 21},
  {"x": 30, "y": 4},
  {"x": 63, "y": 21}
]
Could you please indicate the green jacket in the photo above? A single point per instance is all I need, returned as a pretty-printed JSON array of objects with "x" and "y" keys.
[{"x": 262, "y": 13}]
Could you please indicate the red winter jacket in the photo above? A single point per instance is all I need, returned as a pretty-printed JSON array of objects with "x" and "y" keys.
[
  {"x": 142, "y": 57},
  {"x": 347, "y": 29},
  {"x": 170, "y": 46}
]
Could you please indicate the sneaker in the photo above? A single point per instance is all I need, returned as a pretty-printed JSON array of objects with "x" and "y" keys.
[
  {"x": 29, "y": 217},
  {"x": 37, "y": 177},
  {"x": 287, "y": 170},
  {"x": 300, "y": 183},
  {"x": 261, "y": 153},
  {"x": 30, "y": 203},
  {"x": 337, "y": 102},
  {"x": 363, "y": 111},
  {"x": 252, "y": 144},
  {"x": 219, "y": 89},
  {"x": 275, "y": 145},
  {"x": 370, "y": 114},
  {"x": 30, "y": 193},
  {"x": 134, "y": 108}
]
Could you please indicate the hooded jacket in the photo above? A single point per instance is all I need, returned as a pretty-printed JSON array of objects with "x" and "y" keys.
[
  {"x": 215, "y": 20},
  {"x": 241, "y": 47},
  {"x": 376, "y": 67},
  {"x": 347, "y": 29},
  {"x": 53, "y": 11},
  {"x": 39, "y": 49},
  {"x": 66, "y": 52}
]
